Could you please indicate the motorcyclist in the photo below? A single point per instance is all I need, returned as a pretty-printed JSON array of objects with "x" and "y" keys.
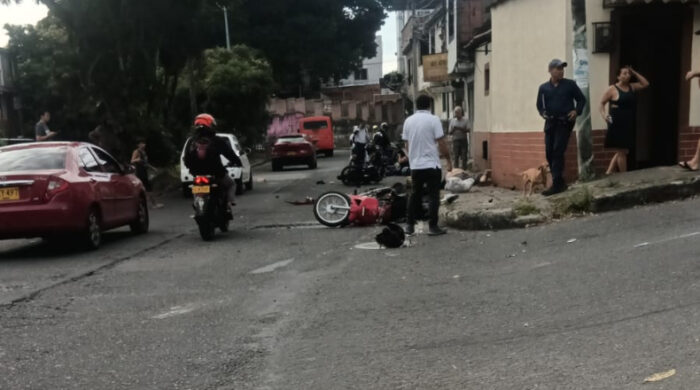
[
  {"x": 359, "y": 139},
  {"x": 381, "y": 137},
  {"x": 203, "y": 155}
]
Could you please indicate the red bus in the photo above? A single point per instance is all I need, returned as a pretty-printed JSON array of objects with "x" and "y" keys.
[{"x": 319, "y": 129}]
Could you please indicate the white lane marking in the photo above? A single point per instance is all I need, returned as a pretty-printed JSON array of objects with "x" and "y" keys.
[
  {"x": 176, "y": 311},
  {"x": 272, "y": 267},
  {"x": 681, "y": 237},
  {"x": 368, "y": 245}
]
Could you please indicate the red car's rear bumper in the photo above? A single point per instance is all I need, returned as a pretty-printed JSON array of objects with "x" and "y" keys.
[{"x": 35, "y": 220}]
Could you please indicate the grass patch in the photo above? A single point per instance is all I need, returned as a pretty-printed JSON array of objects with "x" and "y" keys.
[
  {"x": 578, "y": 201},
  {"x": 525, "y": 207}
]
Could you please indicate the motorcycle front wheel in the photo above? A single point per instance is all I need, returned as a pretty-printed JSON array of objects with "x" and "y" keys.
[{"x": 332, "y": 209}]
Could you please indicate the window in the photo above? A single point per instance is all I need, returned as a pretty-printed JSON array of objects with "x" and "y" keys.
[
  {"x": 487, "y": 79},
  {"x": 33, "y": 159},
  {"x": 109, "y": 164},
  {"x": 361, "y": 74},
  {"x": 317, "y": 125},
  {"x": 88, "y": 161}
]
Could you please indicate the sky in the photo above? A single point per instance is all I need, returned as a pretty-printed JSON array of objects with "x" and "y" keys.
[
  {"x": 29, "y": 13},
  {"x": 26, "y": 13}
]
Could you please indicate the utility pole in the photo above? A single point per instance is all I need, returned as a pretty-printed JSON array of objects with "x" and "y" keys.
[
  {"x": 228, "y": 37},
  {"x": 416, "y": 54}
]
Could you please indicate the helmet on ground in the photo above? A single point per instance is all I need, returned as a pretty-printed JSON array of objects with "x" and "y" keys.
[
  {"x": 205, "y": 120},
  {"x": 392, "y": 236}
]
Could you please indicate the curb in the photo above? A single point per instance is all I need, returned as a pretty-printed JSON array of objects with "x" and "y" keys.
[{"x": 578, "y": 201}]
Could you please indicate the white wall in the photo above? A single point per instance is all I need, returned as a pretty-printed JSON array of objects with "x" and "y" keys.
[
  {"x": 452, "y": 49},
  {"x": 482, "y": 102},
  {"x": 694, "y": 89},
  {"x": 526, "y": 35},
  {"x": 373, "y": 66}
]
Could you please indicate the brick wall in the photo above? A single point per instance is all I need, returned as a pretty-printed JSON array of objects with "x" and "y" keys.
[
  {"x": 688, "y": 142},
  {"x": 512, "y": 153}
]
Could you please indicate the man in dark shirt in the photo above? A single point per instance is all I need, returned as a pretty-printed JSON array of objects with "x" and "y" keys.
[
  {"x": 41, "y": 130},
  {"x": 555, "y": 103}
]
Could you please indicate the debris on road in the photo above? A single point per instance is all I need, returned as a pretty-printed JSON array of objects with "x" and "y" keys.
[
  {"x": 660, "y": 376},
  {"x": 571, "y": 241},
  {"x": 320, "y": 182},
  {"x": 308, "y": 201}
]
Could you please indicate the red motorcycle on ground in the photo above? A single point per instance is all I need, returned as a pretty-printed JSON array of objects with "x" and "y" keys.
[{"x": 378, "y": 206}]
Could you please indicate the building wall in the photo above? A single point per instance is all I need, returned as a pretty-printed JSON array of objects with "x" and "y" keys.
[
  {"x": 373, "y": 66},
  {"x": 520, "y": 58},
  {"x": 694, "y": 89},
  {"x": 482, "y": 107},
  {"x": 599, "y": 63}
]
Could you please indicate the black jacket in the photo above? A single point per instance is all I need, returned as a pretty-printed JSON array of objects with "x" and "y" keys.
[{"x": 211, "y": 164}]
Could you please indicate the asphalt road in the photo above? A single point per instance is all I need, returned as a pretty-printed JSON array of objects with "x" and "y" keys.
[{"x": 278, "y": 303}]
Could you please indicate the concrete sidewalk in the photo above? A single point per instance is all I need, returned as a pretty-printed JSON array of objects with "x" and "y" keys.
[{"x": 489, "y": 208}]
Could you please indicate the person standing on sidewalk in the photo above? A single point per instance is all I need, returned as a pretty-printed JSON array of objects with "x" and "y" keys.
[
  {"x": 555, "y": 103},
  {"x": 694, "y": 163},
  {"x": 621, "y": 116},
  {"x": 423, "y": 133},
  {"x": 139, "y": 159},
  {"x": 41, "y": 130},
  {"x": 459, "y": 130}
]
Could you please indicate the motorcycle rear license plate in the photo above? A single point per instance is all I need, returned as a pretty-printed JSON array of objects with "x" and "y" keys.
[
  {"x": 7, "y": 194},
  {"x": 200, "y": 190}
]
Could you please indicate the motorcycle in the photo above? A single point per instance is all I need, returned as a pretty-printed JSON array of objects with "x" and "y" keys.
[
  {"x": 378, "y": 206},
  {"x": 358, "y": 172},
  {"x": 211, "y": 210}
]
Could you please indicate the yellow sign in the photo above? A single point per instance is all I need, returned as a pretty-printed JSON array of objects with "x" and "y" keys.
[
  {"x": 9, "y": 193},
  {"x": 435, "y": 68}
]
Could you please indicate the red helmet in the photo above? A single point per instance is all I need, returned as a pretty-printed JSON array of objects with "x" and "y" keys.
[{"x": 205, "y": 120}]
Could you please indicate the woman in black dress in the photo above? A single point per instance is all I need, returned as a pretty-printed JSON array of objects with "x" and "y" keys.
[{"x": 621, "y": 116}]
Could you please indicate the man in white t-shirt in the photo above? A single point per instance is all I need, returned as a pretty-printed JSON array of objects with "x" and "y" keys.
[{"x": 423, "y": 134}]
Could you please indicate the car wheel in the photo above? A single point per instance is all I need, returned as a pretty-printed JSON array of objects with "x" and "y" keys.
[
  {"x": 92, "y": 236},
  {"x": 276, "y": 166},
  {"x": 329, "y": 153},
  {"x": 140, "y": 225},
  {"x": 313, "y": 164},
  {"x": 249, "y": 184},
  {"x": 239, "y": 187}
]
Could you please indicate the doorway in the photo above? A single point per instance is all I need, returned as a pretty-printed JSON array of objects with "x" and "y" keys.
[{"x": 650, "y": 39}]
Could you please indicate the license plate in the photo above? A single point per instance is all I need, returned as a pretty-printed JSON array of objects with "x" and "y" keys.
[
  {"x": 291, "y": 153},
  {"x": 200, "y": 190},
  {"x": 11, "y": 193}
]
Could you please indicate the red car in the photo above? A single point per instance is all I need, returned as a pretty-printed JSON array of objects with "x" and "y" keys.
[
  {"x": 293, "y": 149},
  {"x": 61, "y": 190}
]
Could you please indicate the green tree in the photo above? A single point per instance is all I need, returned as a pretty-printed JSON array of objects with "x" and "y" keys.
[
  {"x": 310, "y": 40},
  {"x": 237, "y": 86}
]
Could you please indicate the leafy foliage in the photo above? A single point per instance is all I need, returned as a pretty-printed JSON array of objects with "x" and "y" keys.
[{"x": 237, "y": 86}]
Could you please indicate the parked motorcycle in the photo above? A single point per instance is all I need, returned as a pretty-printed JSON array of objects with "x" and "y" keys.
[
  {"x": 358, "y": 172},
  {"x": 211, "y": 210}
]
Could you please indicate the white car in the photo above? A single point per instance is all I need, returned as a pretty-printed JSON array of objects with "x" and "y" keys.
[{"x": 243, "y": 176}]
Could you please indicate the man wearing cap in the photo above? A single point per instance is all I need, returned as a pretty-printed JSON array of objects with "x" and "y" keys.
[{"x": 559, "y": 101}]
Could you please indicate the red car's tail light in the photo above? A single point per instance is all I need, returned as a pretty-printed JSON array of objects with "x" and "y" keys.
[
  {"x": 200, "y": 180},
  {"x": 55, "y": 186}
]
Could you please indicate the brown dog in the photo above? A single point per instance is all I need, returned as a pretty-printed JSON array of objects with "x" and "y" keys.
[{"x": 533, "y": 177}]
